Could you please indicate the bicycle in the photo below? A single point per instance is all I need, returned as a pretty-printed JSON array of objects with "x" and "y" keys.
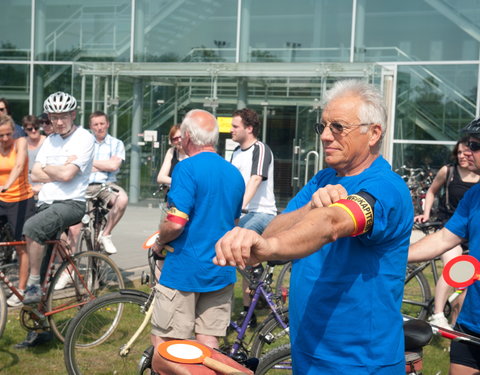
[
  {"x": 417, "y": 299},
  {"x": 106, "y": 325},
  {"x": 91, "y": 274},
  {"x": 94, "y": 220},
  {"x": 418, "y": 334},
  {"x": 7, "y": 266}
]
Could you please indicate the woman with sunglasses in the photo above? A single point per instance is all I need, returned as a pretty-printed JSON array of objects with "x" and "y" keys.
[
  {"x": 453, "y": 180},
  {"x": 31, "y": 125},
  {"x": 174, "y": 155},
  {"x": 16, "y": 195}
]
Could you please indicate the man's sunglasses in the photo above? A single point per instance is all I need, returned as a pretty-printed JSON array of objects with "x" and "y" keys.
[
  {"x": 335, "y": 127},
  {"x": 45, "y": 122},
  {"x": 473, "y": 146}
]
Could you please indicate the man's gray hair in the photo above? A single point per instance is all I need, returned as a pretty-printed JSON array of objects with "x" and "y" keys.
[
  {"x": 198, "y": 135},
  {"x": 372, "y": 111}
]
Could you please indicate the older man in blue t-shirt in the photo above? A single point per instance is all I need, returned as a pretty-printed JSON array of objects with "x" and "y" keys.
[
  {"x": 194, "y": 296},
  {"x": 348, "y": 231}
]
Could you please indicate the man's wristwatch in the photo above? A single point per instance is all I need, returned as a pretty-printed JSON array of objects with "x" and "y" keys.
[{"x": 43, "y": 166}]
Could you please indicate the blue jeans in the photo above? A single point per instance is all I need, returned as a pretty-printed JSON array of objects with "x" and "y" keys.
[{"x": 256, "y": 221}]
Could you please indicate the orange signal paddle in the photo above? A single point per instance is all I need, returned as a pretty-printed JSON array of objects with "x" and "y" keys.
[
  {"x": 151, "y": 240},
  {"x": 186, "y": 351}
]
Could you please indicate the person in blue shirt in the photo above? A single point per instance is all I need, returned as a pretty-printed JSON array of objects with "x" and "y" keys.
[
  {"x": 464, "y": 224},
  {"x": 193, "y": 296},
  {"x": 348, "y": 231}
]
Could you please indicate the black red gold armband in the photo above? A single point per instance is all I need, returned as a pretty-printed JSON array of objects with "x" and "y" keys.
[
  {"x": 360, "y": 210},
  {"x": 177, "y": 216}
]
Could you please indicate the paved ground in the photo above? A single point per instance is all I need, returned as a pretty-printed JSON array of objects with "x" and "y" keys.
[{"x": 138, "y": 223}]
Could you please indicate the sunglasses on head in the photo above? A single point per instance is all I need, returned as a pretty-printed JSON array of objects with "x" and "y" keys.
[{"x": 473, "y": 146}]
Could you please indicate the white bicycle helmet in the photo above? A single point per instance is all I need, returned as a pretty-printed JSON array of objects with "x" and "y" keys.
[{"x": 59, "y": 102}]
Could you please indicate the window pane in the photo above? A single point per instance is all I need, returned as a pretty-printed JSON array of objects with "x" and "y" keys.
[
  {"x": 15, "y": 30},
  {"x": 417, "y": 30},
  {"x": 435, "y": 102},
  {"x": 83, "y": 30},
  {"x": 300, "y": 31},
  {"x": 49, "y": 79},
  {"x": 14, "y": 87},
  {"x": 421, "y": 156},
  {"x": 196, "y": 31}
]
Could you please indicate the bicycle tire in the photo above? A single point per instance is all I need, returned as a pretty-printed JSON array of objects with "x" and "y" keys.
[
  {"x": 100, "y": 274},
  {"x": 3, "y": 311},
  {"x": 270, "y": 334},
  {"x": 96, "y": 335},
  {"x": 84, "y": 242},
  {"x": 282, "y": 287},
  {"x": 416, "y": 295},
  {"x": 277, "y": 361},
  {"x": 6, "y": 252}
]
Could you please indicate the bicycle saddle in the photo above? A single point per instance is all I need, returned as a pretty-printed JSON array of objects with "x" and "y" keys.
[{"x": 418, "y": 333}]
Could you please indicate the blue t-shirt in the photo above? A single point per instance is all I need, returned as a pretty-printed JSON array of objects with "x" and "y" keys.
[
  {"x": 465, "y": 223},
  {"x": 345, "y": 298},
  {"x": 210, "y": 191}
]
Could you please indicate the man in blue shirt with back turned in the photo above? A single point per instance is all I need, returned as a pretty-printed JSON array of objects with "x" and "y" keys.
[
  {"x": 194, "y": 296},
  {"x": 348, "y": 232}
]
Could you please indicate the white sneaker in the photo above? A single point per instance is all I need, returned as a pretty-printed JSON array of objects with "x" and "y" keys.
[
  {"x": 63, "y": 281},
  {"x": 14, "y": 301},
  {"x": 107, "y": 243},
  {"x": 439, "y": 320}
]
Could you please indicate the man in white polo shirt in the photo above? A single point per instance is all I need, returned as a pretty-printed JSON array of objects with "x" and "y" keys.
[{"x": 63, "y": 165}]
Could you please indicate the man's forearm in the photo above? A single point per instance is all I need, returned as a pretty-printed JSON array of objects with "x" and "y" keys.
[
  {"x": 251, "y": 189},
  {"x": 38, "y": 175},
  {"x": 169, "y": 231},
  {"x": 433, "y": 245},
  {"x": 285, "y": 221},
  {"x": 110, "y": 165},
  {"x": 62, "y": 173}
]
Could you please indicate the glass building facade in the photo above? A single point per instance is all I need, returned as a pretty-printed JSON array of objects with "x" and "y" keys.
[{"x": 147, "y": 62}]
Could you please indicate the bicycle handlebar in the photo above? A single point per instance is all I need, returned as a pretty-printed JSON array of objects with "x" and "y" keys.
[{"x": 428, "y": 225}]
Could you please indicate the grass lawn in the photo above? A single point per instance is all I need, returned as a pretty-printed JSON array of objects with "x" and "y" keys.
[{"x": 48, "y": 358}]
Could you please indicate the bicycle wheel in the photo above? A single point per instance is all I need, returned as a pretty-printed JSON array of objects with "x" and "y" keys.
[
  {"x": 99, "y": 274},
  {"x": 277, "y": 361},
  {"x": 3, "y": 311},
  {"x": 282, "y": 287},
  {"x": 96, "y": 335},
  {"x": 270, "y": 334},
  {"x": 416, "y": 295},
  {"x": 85, "y": 241}
]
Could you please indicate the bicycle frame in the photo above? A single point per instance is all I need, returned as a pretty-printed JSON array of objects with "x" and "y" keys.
[
  {"x": 61, "y": 248},
  {"x": 259, "y": 292}
]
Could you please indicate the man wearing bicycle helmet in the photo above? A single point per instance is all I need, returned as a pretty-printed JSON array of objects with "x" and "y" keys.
[
  {"x": 63, "y": 166},
  {"x": 348, "y": 231},
  {"x": 464, "y": 358}
]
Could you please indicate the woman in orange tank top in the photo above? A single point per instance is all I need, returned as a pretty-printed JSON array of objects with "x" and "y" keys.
[{"x": 16, "y": 195}]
